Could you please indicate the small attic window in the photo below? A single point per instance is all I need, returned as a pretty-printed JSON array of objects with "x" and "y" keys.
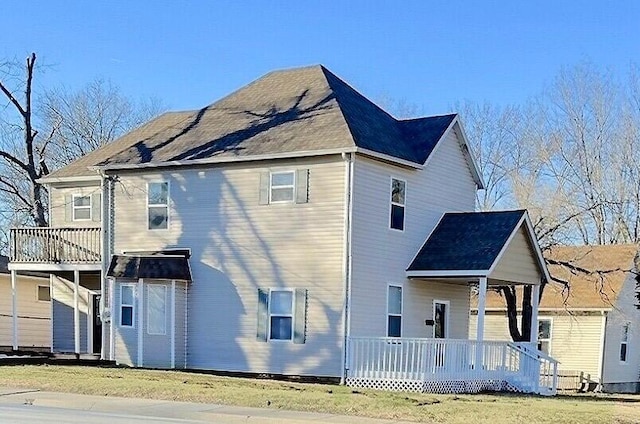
[{"x": 398, "y": 197}]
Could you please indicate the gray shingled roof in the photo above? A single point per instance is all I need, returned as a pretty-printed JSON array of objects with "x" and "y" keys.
[
  {"x": 160, "y": 267},
  {"x": 297, "y": 110},
  {"x": 466, "y": 241}
]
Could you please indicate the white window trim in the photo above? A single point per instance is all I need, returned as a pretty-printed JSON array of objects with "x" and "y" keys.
[
  {"x": 292, "y": 186},
  {"x": 134, "y": 313},
  {"x": 550, "y": 319},
  {"x": 293, "y": 315},
  {"x": 392, "y": 203},
  {"x": 149, "y": 286},
  {"x": 401, "y": 314},
  {"x": 74, "y": 207},
  {"x": 156, "y": 205},
  {"x": 624, "y": 342},
  {"x": 38, "y": 293},
  {"x": 447, "y": 314}
]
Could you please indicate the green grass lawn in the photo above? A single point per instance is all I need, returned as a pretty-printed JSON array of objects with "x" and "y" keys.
[{"x": 175, "y": 385}]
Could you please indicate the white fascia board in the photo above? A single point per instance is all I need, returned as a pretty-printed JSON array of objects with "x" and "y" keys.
[
  {"x": 536, "y": 246},
  {"x": 388, "y": 158},
  {"x": 457, "y": 273},
  {"x": 221, "y": 160},
  {"x": 73, "y": 179},
  {"x": 475, "y": 169},
  {"x": 20, "y": 266}
]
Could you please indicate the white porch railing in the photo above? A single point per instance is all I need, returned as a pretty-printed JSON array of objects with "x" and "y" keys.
[
  {"x": 55, "y": 245},
  {"x": 449, "y": 365}
]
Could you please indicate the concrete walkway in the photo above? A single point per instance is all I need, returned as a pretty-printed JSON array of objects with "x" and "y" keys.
[{"x": 194, "y": 412}]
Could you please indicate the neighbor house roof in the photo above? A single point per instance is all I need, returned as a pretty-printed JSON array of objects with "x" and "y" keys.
[
  {"x": 297, "y": 110},
  {"x": 466, "y": 241},
  {"x": 609, "y": 267}
]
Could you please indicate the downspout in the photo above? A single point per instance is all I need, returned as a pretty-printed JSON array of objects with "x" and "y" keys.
[
  {"x": 106, "y": 219},
  {"x": 103, "y": 270},
  {"x": 346, "y": 312}
]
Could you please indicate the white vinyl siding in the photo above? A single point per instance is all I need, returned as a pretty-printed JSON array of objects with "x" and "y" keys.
[
  {"x": 61, "y": 208},
  {"x": 518, "y": 261},
  {"x": 381, "y": 256},
  {"x": 238, "y": 246},
  {"x": 34, "y": 317}
]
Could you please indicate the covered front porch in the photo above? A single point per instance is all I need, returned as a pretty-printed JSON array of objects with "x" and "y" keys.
[{"x": 478, "y": 251}]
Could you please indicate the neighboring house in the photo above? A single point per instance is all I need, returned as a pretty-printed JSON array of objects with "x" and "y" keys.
[
  {"x": 592, "y": 327},
  {"x": 281, "y": 230},
  {"x": 33, "y": 309}
]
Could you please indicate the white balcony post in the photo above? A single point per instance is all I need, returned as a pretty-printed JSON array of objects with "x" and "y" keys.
[
  {"x": 76, "y": 311},
  {"x": 535, "y": 300},
  {"x": 14, "y": 310}
]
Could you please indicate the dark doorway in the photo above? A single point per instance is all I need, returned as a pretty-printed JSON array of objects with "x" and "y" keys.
[{"x": 97, "y": 324}]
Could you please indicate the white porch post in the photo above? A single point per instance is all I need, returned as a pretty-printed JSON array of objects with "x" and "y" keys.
[
  {"x": 140, "y": 311},
  {"x": 535, "y": 301},
  {"x": 76, "y": 311},
  {"x": 14, "y": 311},
  {"x": 482, "y": 300},
  {"x": 173, "y": 323}
]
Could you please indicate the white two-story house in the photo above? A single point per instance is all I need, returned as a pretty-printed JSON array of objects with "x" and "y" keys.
[{"x": 291, "y": 228}]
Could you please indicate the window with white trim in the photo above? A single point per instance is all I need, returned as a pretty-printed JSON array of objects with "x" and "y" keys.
[
  {"x": 624, "y": 342},
  {"x": 282, "y": 187},
  {"x": 398, "y": 194},
  {"x": 281, "y": 315},
  {"x": 44, "y": 294},
  {"x": 81, "y": 206},
  {"x": 394, "y": 311},
  {"x": 156, "y": 309},
  {"x": 158, "y": 205},
  {"x": 544, "y": 335},
  {"x": 127, "y": 305}
]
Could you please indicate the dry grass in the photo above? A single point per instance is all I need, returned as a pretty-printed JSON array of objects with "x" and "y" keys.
[{"x": 170, "y": 385}]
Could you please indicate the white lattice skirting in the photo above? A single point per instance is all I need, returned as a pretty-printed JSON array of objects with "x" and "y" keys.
[{"x": 446, "y": 386}]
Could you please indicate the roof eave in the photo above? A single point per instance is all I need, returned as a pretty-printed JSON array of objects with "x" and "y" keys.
[
  {"x": 70, "y": 179},
  {"x": 388, "y": 158},
  {"x": 475, "y": 273}
]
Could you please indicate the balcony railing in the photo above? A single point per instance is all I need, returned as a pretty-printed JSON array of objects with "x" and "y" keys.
[{"x": 55, "y": 245}]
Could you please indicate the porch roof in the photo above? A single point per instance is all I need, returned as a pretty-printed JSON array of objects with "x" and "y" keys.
[
  {"x": 158, "y": 267},
  {"x": 470, "y": 244}
]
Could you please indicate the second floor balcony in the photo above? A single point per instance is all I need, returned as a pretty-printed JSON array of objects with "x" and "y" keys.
[{"x": 48, "y": 245}]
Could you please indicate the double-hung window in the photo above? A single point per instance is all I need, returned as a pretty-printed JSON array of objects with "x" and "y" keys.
[
  {"x": 81, "y": 208},
  {"x": 281, "y": 315},
  {"x": 624, "y": 341},
  {"x": 544, "y": 335},
  {"x": 127, "y": 305},
  {"x": 282, "y": 187},
  {"x": 158, "y": 205},
  {"x": 394, "y": 311},
  {"x": 398, "y": 197}
]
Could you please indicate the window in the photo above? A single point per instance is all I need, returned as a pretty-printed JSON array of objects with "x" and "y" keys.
[
  {"x": 281, "y": 315},
  {"x": 544, "y": 335},
  {"x": 394, "y": 311},
  {"x": 398, "y": 193},
  {"x": 440, "y": 319},
  {"x": 156, "y": 309},
  {"x": 81, "y": 208},
  {"x": 127, "y": 298},
  {"x": 624, "y": 342},
  {"x": 282, "y": 187},
  {"x": 158, "y": 204},
  {"x": 44, "y": 295}
]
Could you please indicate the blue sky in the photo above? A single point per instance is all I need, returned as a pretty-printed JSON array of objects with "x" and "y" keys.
[{"x": 430, "y": 54}]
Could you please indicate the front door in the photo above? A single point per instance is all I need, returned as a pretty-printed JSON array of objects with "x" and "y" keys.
[
  {"x": 97, "y": 324},
  {"x": 440, "y": 321}
]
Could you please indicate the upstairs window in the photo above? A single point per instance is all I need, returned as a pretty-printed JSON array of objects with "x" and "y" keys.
[
  {"x": 394, "y": 311},
  {"x": 158, "y": 205},
  {"x": 282, "y": 187},
  {"x": 398, "y": 195},
  {"x": 81, "y": 208},
  {"x": 544, "y": 335},
  {"x": 624, "y": 342}
]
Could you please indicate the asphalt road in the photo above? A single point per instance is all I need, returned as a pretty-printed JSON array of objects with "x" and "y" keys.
[{"x": 25, "y": 414}]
